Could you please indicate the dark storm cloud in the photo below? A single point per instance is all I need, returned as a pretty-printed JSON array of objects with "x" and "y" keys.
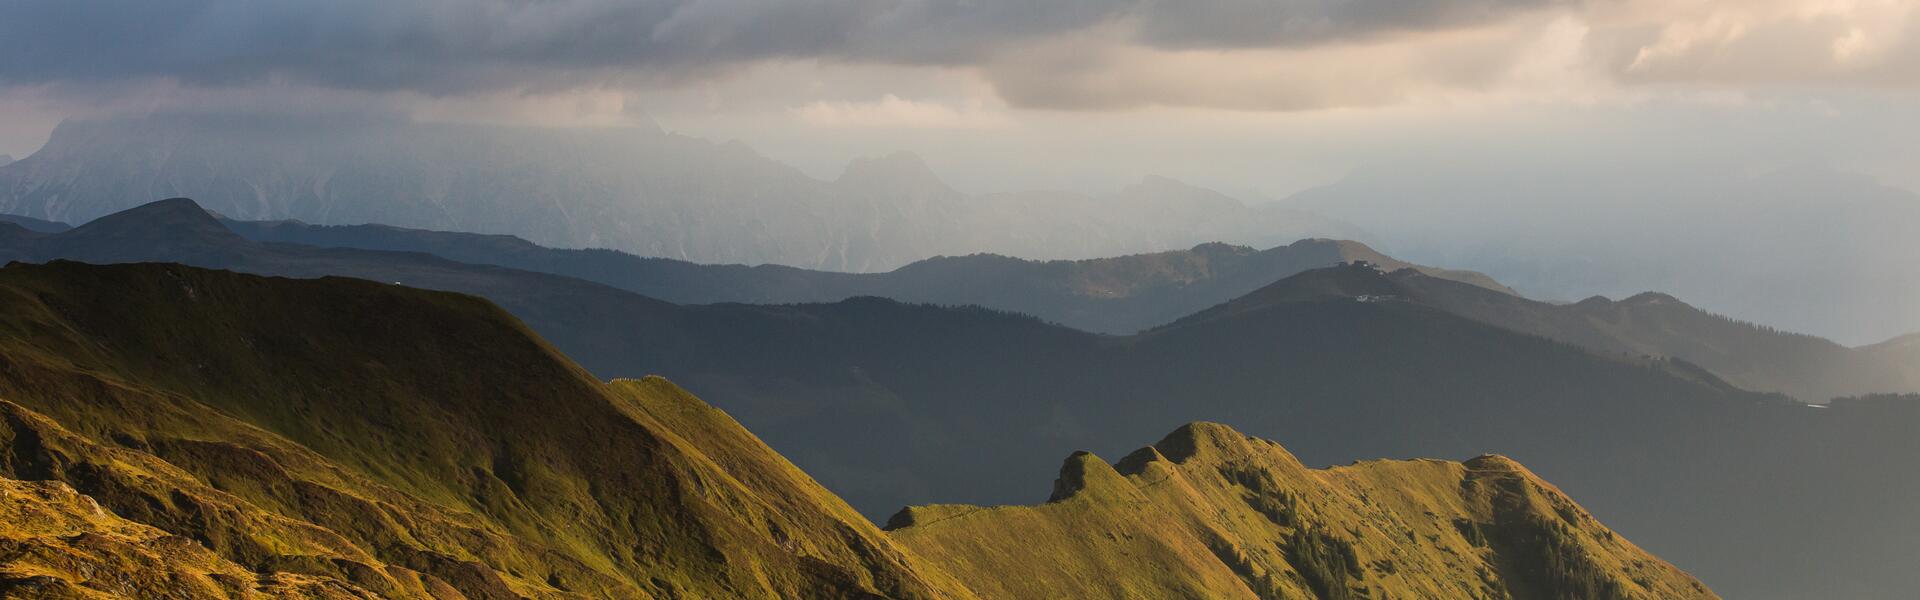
[
  {"x": 1269, "y": 23},
  {"x": 454, "y": 46}
]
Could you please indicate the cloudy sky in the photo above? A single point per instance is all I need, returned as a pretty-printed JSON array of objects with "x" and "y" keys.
[
  {"x": 1490, "y": 134},
  {"x": 1257, "y": 97}
]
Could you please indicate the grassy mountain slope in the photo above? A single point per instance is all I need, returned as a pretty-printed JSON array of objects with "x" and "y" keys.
[
  {"x": 63, "y": 544},
  {"x": 171, "y": 432},
  {"x": 1210, "y": 513},
  {"x": 953, "y": 405},
  {"x": 1107, "y": 295},
  {"x": 406, "y": 443}
]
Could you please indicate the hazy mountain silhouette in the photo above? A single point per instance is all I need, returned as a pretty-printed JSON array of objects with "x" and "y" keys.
[
  {"x": 1129, "y": 293},
  {"x": 1108, "y": 295},
  {"x": 1903, "y": 350},
  {"x": 32, "y": 224},
  {"x": 1803, "y": 248},
  {"x": 1748, "y": 355},
  {"x": 639, "y": 190},
  {"x": 172, "y": 432},
  {"x": 889, "y": 403}
]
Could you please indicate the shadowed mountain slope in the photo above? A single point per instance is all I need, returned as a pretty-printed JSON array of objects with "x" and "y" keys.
[
  {"x": 32, "y": 224},
  {"x": 954, "y": 405},
  {"x": 1210, "y": 513},
  {"x": 1105, "y": 295},
  {"x": 1758, "y": 358},
  {"x": 1126, "y": 294},
  {"x": 392, "y": 442},
  {"x": 171, "y": 432}
]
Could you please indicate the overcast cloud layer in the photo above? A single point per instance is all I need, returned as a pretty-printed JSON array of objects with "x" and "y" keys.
[
  {"x": 1064, "y": 54},
  {"x": 448, "y": 46},
  {"x": 1257, "y": 98}
]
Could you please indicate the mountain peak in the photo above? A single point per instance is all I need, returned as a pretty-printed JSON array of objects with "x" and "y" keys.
[
  {"x": 1653, "y": 299},
  {"x": 1200, "y": 439},
  {"x": 1360, "y": 281},
  {"x": 1223, "y": 249},
  {"x": 133, "y": 232},
  {"x": 1085, "y": 473},
  {"x": 172, "y": 216}
]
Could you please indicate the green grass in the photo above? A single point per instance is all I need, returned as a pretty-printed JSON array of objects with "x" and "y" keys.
[
  {"x": 1211, "y": 513},
  {"x": 374, "y": 426}
]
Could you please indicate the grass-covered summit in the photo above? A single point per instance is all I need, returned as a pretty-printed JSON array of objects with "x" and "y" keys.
[
  {"x": 376, "y": 440},
  {"x": 1211, "y": 513},
  {"x": 174, "y": 432}
]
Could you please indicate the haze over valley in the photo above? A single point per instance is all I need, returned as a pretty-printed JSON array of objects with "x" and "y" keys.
[{"x": 933, "y": 300}]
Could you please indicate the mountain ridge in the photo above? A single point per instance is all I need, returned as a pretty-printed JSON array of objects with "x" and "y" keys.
[
  {"x": 1754, "y": 357},
  {"x": 1245, "y": 519},
  {"x": 972, "y": 395},
  {"x": 1122, "y": 295},
  {"x": 207, "y": 434},
  {"x": 640, "y": 190},
  {"x": 288, "y": 452},
  {"x": 1116, "y": 295}
]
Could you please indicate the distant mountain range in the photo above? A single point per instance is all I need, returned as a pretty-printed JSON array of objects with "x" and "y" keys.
[
  {"x": 1805, "y": 248},
  {"x": 890, "y": 404},
  {"x": 1120, "y": 295},
  {"x": 1649, "y": 324},
  {"x": 37, "y": 225},
  {"x": 1127, "y": 294},
  {"x": 172, "y": 432},
  {"x": 639, "y": 190}
]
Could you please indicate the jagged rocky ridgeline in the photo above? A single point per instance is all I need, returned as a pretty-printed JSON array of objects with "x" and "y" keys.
[
  {"x": 167, "y": 431},
  {"x": 1209, "y": 512}
]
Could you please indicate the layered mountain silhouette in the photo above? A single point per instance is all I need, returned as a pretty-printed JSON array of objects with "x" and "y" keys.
[
  {"x": 32, "y": 224},
  {"x": 1105, "y": 295},
  {"x": 1806, "y": 247},
  {"x": 640, "y": 190},
  {"x": 890, "y": 404},
  {"x": 1130, "y": 293},
  {"x": 172, "y": 432},
  {"x": 1753, "y": 357}
]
